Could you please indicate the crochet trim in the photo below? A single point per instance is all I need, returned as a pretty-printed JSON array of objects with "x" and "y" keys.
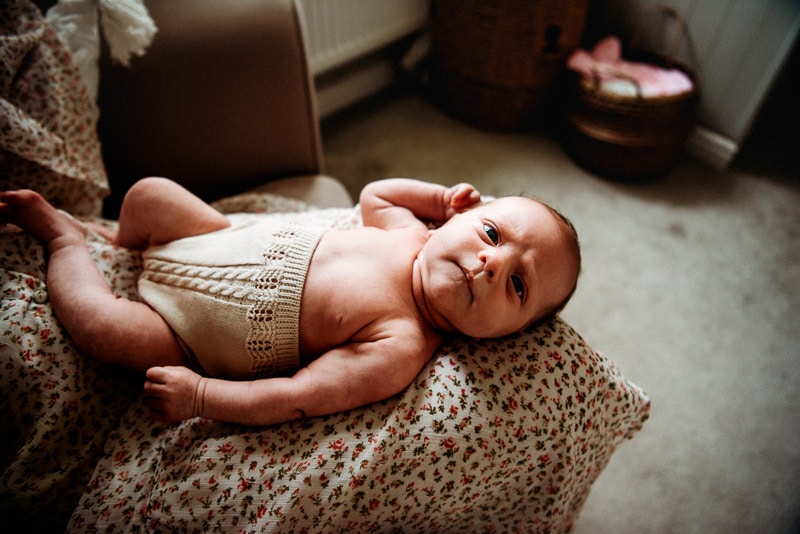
[{"x": 273, "y": 339}]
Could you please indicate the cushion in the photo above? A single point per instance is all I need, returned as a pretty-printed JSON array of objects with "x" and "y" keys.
[
  {"x": 513, "y": 430},
  {"x": 57, "y": 406}
]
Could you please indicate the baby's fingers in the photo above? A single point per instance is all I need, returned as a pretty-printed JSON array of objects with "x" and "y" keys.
[
  {"x": 165, "y": 375},
  {"x": 172, "y": 393},
  {"x": 156, "y": 375},
  {"x": 464, "y": 196},
  {"x": 161, "y": 406},
  {"x": 155, "y": 402},
  {"x": 156, "y": 412}
]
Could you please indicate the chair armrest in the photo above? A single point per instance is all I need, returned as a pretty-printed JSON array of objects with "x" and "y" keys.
[
  {"x": 318, "y": 190},
  {"x": 222, "y": 100}
]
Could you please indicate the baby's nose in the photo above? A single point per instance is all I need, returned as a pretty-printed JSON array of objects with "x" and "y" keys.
[{"x": 492, "y": 263}]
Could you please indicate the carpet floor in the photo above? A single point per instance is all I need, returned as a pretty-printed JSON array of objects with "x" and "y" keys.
[{"x": 691, "y": 283}]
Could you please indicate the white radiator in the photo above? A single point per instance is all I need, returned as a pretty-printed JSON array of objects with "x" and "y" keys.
[{"x": 341, "y": 33}]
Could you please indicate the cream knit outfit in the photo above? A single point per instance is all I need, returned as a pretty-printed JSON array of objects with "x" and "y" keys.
[{"x": 233, "y": 296}]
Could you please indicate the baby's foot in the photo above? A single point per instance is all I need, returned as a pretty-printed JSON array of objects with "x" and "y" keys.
[{"x": 31, "y": 212}]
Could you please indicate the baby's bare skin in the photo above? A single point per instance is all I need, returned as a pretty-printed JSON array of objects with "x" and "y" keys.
[
  {"x": 365, "y": 300},
  {"x": 376, "y": 340},
  {"x": 103, "y": 326},
  {"x": 369, "y": 351},
  {"x": 374, "y": 305}
]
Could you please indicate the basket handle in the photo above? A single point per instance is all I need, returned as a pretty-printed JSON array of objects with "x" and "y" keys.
[{"x": 680, "y": 33}]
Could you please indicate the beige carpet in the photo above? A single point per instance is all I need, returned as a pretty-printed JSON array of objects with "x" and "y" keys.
[{"x": 691, "y": 284}]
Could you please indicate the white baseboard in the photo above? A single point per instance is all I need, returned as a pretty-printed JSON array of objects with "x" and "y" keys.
[{"x": 712, "y": 148}]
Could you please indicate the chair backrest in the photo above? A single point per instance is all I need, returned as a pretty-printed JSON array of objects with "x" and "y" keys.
[{"x": 222, "y": 100}]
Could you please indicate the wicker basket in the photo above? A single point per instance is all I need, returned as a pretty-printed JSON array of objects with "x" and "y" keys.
[
  {"x": 496, "y": 63},
  {"x": 630, "y": 138}
]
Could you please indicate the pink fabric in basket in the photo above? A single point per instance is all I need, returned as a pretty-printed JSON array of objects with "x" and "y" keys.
[{"x": 605, "y": 61}]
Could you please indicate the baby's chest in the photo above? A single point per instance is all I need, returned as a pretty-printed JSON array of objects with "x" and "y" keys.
[{"x": 345, "y": 297}]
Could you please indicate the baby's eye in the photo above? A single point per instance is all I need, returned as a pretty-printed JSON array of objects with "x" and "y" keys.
[
  {"x": 519, "y": 285},
  {"x": 492, "y": 233}
]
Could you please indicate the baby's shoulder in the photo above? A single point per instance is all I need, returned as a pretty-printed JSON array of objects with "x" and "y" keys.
[{"x": 406, "y": 332}]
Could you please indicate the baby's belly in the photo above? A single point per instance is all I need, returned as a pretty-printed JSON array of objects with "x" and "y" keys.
[{"x": 356, "y": 279}]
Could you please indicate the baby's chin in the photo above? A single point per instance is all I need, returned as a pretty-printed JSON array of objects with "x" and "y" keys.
[
  {"x": 486, "y": 334},
  {"x": 494, "y": 333}
]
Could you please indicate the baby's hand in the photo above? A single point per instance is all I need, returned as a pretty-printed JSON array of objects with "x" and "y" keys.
[
  {"x": 461, "y": 197},
  {"x": 174, "y": 393}
]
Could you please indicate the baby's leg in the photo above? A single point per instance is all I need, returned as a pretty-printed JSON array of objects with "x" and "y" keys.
[
  {"x": 156, "y": 211},
  {"x": 103, "y": 326}
]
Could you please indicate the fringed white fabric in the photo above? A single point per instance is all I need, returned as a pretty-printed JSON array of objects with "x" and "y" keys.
[{"x": 126, "y": 26}]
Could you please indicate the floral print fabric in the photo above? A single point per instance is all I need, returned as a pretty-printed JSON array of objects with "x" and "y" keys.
[
  {"x": 504, "y": 436},
  {"x": 57, "y": 407},
  {"x": 48, "y": 138}
]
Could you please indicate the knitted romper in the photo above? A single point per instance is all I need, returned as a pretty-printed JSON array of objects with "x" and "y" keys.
[{"x": 232, "y": 297}]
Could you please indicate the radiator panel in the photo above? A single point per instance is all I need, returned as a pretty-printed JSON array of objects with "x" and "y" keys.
[{"x": 340, "y": 31}]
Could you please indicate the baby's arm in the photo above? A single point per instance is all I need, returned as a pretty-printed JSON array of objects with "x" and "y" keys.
[
  {"x": 177, "y": 393},
  {"x": 344, "y": 378},
  {"x": 402, "y": 202}
]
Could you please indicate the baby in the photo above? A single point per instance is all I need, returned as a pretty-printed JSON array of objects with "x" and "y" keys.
[{"x": 334, "y": 319}]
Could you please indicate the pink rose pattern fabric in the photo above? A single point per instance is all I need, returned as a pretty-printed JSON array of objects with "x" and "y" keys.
[
  {"x": 505, "y": 436},
  {"x": 493, "y": 436},
  {"x": 48, "y": 135},
  {"x": 57, "y": 407}
]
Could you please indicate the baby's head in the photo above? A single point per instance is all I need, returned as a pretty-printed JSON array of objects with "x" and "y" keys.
[{"x": 497, "y": 268}]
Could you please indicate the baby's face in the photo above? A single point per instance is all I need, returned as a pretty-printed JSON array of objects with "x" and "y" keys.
[{"x": 492, "y": 270}]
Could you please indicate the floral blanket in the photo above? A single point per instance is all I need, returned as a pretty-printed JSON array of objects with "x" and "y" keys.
[
  {"x": 493, "y": 436},
  {"x": 503, "y": 435},
  {"x": 48, "y": 139}
]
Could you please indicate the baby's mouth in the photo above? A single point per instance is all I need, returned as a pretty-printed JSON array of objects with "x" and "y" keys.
[{"x": 468, "y": 277}]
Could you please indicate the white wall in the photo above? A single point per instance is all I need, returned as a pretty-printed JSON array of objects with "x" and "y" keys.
[
  {"x": 340, "y": 31},
  {"x": 739, "y": 47}
]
